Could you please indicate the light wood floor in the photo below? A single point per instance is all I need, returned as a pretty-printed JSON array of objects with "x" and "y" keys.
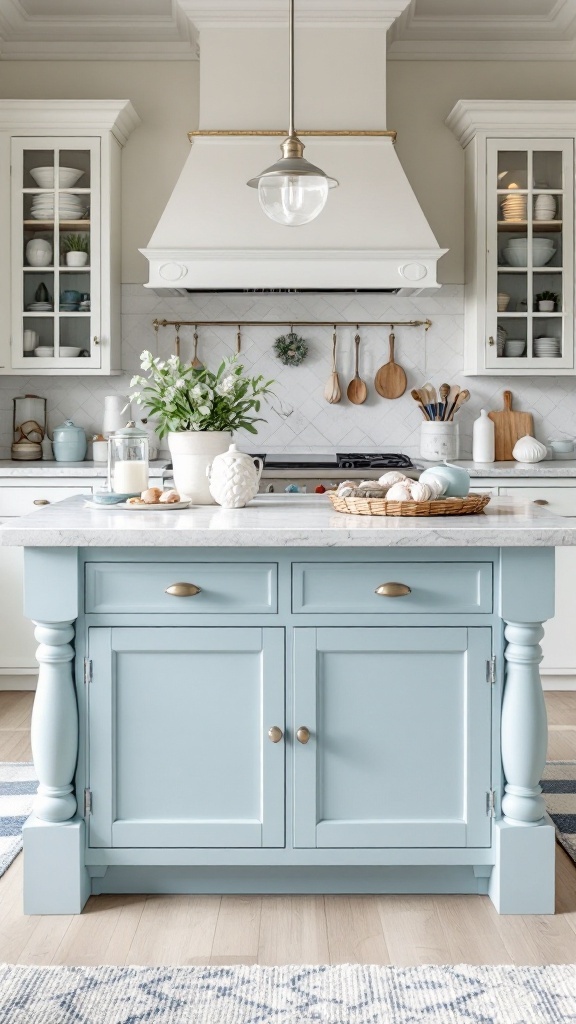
[{"x": 400, "y": 930}]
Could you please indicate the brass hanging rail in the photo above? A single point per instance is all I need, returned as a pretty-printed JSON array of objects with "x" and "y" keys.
[{"x": 291, "y": 323}]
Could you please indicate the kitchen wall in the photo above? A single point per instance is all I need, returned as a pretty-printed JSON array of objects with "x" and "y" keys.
[
  {"x": 299, "y": 418},
  {"x": 420, "y": 94}
]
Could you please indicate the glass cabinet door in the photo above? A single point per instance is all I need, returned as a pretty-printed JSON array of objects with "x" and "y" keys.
[
  {"x": 56, "y": 246},
  {"x": 530, "y": 243}
]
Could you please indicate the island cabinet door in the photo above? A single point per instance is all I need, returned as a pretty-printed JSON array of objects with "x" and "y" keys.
[
  {"x": 391, "y": 737},
  {"x": 179, "y": 752}
]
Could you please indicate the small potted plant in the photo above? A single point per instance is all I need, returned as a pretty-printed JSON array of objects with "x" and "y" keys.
[
  {"x": 76, "y": 249},
  {"x": 546, "y": 302}
]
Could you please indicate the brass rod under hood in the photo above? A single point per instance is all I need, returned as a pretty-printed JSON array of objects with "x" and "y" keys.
[{"x": 291, "y": 323}]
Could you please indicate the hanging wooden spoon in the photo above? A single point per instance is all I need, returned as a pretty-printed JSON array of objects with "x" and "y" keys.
[
  {"x": 357, "y": 392},
  {"x": 197, "y": 364},
  {"x": 332, "y": 392},
  {"x": 390, "y": 380}
]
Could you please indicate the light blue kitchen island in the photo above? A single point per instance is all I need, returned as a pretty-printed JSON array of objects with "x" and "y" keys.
[{"x": 285, "y": 699}]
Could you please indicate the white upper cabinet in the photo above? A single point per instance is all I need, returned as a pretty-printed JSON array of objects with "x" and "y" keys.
[
  {"x": 61, "y": 276},
  {"x": 519, "y": 236}
]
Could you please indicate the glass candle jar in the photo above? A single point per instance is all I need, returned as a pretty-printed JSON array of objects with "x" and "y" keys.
[{"x": 128, "y": 460}]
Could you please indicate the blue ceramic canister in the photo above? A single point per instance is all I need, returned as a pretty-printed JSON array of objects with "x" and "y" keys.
[{"x": 69, "y": 443}]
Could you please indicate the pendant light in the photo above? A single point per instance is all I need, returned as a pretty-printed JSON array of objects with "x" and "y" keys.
[{"x": 292, "y": 191}]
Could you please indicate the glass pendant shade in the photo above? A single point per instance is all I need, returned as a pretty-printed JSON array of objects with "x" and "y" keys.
[{"x": 292, "y": 199}]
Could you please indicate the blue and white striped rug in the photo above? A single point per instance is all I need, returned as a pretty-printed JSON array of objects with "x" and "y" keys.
[
  {"x": 17, "y": 788},
  {"x": 559, "y": 788},
  {"x": 344, "y": 994}
]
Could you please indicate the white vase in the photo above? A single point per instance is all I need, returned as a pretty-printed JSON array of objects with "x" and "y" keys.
[
  {"x": 39, "y": 252},
  {"x": 74, "y": 258},
  {"x": 192, "y": 452},
  {"x": 234, "y": 477}
]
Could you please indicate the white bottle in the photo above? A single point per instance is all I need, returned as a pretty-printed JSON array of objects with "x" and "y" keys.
[{"x": 483, "y": 438}]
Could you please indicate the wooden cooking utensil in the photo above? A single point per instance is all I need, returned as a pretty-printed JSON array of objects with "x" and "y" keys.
[
  {"x": 461, "y": 398},
  {"x": 196, "y": 363},
  {"x": 332, "y": 392},
  {"x": 443, "y": 391},
  {"x": 416, "y": 396},
  {"x": 390, "y": 380},
  {"x": 509, "y": 427},
  {"x": 357, "y": 392}
]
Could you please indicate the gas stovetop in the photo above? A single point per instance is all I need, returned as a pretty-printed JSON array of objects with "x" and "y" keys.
[{"x": 347, "y": 460}]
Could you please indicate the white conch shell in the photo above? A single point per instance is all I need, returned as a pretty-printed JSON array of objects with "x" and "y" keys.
[
  {"x": 392, "y": 477},
  {"x": 398, "y": 492},
  {"x": 234, "y": 478},
  {"x": 528, "y": 449},
  {"x": 420, "y": 492},
  {"x": 436, "y": 485}
]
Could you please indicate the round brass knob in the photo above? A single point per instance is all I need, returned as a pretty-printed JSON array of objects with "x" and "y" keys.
[
  {"x": 303, "y": 734},
  {"x": 40, "y": 501},
  {"x": 541, "y": 501},
  {"x": 392, "y": 590},
  {"x": 182, "y": 590},
  {"x": 490, "y": 340},
  {"x": 275, "y": 733}
]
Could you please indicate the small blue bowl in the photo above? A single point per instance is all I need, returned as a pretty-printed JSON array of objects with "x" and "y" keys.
[{"x": 109, "y": 497}]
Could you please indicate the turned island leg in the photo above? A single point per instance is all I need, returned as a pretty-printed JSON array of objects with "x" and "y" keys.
[
  {"x": 524, "y": 725},
  {"x": 54, "y": 732}
]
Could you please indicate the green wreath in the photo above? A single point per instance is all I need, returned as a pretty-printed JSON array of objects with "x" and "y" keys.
[{"x": 290, "y": 349}]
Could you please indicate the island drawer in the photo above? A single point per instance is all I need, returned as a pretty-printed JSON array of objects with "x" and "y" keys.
[
  {"x": 182, "y": 587},
  {"x": 393, "y": 588}
]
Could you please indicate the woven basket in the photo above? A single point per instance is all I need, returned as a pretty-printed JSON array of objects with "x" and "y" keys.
[{"x": 440, "y": 507}]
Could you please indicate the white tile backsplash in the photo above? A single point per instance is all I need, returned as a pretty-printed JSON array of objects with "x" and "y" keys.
[{"x": 299, "y": 418}]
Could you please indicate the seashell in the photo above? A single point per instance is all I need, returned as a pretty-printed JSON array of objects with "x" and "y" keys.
[
  {"x": 151, "y": 496},
  {"x": 435, "y": 483},
  {"x": 392, "y": 477},
  {"x": 420, "y": 492},
  {"x": 371, "y": 489},
  {"x": 169, "y": 497},
  {"x": 346, "y": 491},
  {"x": 398, "y": 492},
  {"x": 528, "y": 449},
  {"x": 346, "y": 483}
]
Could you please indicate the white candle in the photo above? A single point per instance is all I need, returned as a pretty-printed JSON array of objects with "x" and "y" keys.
[{"x": 130, "y": 477}]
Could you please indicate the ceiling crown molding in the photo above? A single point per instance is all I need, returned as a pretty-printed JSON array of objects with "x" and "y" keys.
[{"x": 126, "y": 35}]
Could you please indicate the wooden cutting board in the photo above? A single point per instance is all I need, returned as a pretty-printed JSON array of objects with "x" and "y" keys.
[{"x": 509, "y": 426}]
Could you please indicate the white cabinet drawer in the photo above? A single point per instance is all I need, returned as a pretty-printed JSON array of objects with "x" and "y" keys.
[
  {"x": 560, "y": 501},
  {"x": 19, "y": 501}
]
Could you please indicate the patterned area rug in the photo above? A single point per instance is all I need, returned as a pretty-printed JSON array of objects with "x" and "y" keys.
[
  {"x": 17, "y": 789},
  {"x": 348, "y": 994},
  {"x": 559, "y": 788}
]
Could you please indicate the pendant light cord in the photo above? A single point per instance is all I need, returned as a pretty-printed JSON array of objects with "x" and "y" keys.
[{"x": 291, "y": 131}]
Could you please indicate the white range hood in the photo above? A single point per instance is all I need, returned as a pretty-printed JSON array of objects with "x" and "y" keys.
[{"x": 372, "y": 233}]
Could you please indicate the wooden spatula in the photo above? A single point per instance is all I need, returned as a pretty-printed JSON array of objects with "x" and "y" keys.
[
  {"x": 509, "y": 427},
  {"x": 390, "y": 380}
]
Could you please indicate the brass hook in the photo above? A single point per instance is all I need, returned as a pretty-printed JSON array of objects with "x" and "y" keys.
[
  {"x": 177, "y": 341},
  {"x": 238, "y": 341}
]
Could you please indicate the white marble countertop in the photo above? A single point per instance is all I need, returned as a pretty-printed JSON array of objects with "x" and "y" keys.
[
  {"x": 487, "y": 470},
  {"x": 8, "y": 468},
  {"x": 284, "y": 521}
]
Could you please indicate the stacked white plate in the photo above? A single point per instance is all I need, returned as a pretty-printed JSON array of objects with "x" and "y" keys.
[
  {"x": 40, "y": 307},
  {"x": 514, "y": 207},
  {"x": 70, "y": 207},
  {"x": 546, "y": 348}
]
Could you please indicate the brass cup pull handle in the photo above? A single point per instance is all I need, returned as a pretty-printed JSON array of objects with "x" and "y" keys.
[
  {"x": 303, "y": 734},
  {"x": 541, "y": 501},
  {"x": 40, "y": 501},
  {"x": 275, "y": 734},
  {"x": 392, "y": 590},
  {"x": 182, "y": 590}
]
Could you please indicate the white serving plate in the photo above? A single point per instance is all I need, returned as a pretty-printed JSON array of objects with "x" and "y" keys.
[{"x": 159, "y": 506}]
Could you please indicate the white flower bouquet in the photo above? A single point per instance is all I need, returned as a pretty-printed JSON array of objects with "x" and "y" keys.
[{"x": 184, "y": 398}]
